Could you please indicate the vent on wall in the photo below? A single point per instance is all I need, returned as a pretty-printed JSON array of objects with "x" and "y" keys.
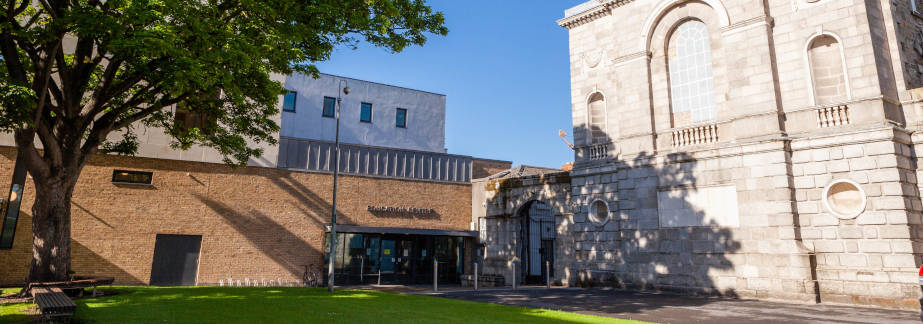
[{"x": 125, "y": 177}]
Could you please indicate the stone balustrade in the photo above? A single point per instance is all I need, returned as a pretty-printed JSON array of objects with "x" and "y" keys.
[
  {"x": 702, "y": 134},
  {"x": 832, "y": 116},
  {"x": 596, "y": 151}
]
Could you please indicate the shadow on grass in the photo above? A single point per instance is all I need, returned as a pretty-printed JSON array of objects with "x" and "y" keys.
[{"x": 299, "y": 305}]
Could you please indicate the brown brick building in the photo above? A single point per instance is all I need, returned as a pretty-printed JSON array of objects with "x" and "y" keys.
[{"x": 398, "y": 209}]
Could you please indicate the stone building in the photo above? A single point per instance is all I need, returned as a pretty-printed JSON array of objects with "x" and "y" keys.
[
  {"x": 746, "y": 148},
  {"x": 168, "y": 217}
]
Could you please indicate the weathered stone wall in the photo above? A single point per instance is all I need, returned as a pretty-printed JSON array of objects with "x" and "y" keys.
[
  {"x": 869, "y": 259},
  {"x": 779, "y": 140},
  {"x": 500, "y": 224},
  {"x": 254, "y": 222}
]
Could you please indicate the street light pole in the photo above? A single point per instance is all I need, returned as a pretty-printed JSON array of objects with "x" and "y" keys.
[{"x": 336, "y": 173}]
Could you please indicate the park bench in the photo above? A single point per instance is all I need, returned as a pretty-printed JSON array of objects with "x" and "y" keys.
[
  {"x": 74, "y": 287},
  {"x": 53, "y": 303}
]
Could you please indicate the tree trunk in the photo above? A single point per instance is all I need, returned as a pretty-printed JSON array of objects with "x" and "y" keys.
[{"x": 51, "y": 229}]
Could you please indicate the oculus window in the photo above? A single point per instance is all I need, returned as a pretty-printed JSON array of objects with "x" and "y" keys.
[
  {"x": 288, "y": 102},
  {"x": 599, "y": 212},
  {"x": 400, "y": 118},
  {"x": 132, "y": 177},
  {"x": 845, "y": 199},
  {"x": 329, "y": 107},
  {"x": 365, "y": 115}
]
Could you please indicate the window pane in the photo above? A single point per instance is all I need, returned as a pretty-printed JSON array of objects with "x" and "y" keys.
[
  {"x": 400, "y": 118},
  {"x": 691, "y": 82},
  {"x": 288, "y": 103},
  {"x": 366, "y": 114},
  {"x": 329, "y": 106}
]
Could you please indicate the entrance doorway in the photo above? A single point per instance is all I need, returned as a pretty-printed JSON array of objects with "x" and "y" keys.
[
  {"x": 176, "y": 260},
  {"x": 369, "y": 258},
  {"x": 538, "y": 232}
]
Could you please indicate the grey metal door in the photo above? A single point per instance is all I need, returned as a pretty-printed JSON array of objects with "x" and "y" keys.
[{"x": 176, "y": 260}]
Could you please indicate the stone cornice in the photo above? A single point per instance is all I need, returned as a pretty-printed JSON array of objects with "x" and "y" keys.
[{"x": 603, "y": 9}]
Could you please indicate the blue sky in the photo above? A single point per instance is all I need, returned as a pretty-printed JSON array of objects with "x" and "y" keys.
[{"x": 504, "y": 69}]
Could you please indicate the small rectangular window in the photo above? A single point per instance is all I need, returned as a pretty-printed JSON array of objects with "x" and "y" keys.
[
  {"x": 288, "y": 102},
  {"x": 132, "y": 177},
  {"x": 365, "y": 115},
  {"x": 330, "y": 106},
  {"x": 400, "y": 118}
]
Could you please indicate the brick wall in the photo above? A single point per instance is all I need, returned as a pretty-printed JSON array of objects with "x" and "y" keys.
[{"x": 254, "y": 222}]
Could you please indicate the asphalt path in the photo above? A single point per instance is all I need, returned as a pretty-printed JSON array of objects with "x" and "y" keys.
[{"x": 670, "y": 308}]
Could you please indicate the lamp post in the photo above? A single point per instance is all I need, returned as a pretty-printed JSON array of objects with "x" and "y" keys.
[{"x": 336, "y": 173}]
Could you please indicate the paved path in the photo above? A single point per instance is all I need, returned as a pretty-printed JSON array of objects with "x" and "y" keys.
[{"x": 666, "y": 308}]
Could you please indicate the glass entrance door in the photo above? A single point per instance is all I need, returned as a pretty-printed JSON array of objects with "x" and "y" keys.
[{"x": 388, "y": 257}]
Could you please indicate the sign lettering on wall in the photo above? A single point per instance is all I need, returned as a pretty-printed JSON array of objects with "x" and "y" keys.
[{"x": 390, "y": 211}]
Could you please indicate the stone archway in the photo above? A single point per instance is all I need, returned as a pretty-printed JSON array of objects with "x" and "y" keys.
[{"x": 536, "y": 240}]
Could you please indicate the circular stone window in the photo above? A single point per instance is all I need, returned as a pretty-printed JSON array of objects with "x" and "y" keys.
[
  {"x": 599, "y": 212},
  {"x": 844, "y": 199}
]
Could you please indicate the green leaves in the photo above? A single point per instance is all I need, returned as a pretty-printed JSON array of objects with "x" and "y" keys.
[{"x": 113, "y": 64}]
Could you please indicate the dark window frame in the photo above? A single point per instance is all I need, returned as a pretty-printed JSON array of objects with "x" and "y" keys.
[
  {"x": 333, "y": 110},
  {"x": 396, "y": 112},
  {"x": 371, "y": 111},
  {"x": 294, "y": 101},
  {"x": 130, "y": 173}
]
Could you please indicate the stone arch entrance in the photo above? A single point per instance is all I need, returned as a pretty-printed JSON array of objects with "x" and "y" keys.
[{"x": 537, "y": 240}]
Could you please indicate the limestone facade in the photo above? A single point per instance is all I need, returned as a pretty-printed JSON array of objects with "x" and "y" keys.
[{"x": 748, "y": 148}]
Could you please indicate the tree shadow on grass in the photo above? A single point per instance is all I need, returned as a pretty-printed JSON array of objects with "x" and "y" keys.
[{"x": 298, "y": 305}]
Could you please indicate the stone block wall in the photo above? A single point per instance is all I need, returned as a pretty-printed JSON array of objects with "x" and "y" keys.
[
  {"x": 775, "y": 142},
  {"x": 872, "y": 258}
]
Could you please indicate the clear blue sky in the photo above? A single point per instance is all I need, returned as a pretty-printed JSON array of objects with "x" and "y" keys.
[{"x": 504, "y": 69}]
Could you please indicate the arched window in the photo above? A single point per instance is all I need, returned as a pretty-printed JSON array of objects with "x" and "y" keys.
[
  {"x": 596, "y": 109},
  {"x": 826, "y": 63},
  {"x": 692, "y": 85}
]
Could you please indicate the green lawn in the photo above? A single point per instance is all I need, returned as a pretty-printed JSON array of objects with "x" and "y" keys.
[{"x": 293, "y": 305}]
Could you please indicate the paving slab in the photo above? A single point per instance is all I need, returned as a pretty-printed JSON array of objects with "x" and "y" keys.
[{"x": 671, "y": 308}]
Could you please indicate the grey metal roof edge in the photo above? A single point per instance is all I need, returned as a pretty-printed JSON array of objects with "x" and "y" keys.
[
  {"x": 350, "y": 174},
  {"x": 377, "y": 147},
  {"x": 378, "y": 83}
]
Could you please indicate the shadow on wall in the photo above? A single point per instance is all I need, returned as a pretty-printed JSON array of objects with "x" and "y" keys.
[
  {"x": 287, "y": 249},
  {"x": 85, "y": 262},
  {"x": 662, "y": 231},
  {"x": 668, "y": 235}
]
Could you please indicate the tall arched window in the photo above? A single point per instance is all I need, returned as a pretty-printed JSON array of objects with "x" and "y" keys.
[
  {"x": 827, "y": 76},
  {"x": 596, "y": 109},
  {"x": 692, "y": 85}
]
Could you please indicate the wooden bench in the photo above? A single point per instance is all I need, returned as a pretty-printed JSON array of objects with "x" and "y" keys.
[
  {"x": 76, "y": 286},
  {"x": 53, "y": 303}
]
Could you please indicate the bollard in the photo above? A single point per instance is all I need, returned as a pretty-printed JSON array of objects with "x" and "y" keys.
[
  {"x": 379, "y": 275},
  {"x": 435, "y": 275},
  {"x": 475, "y": 276},
  {"x": 514, "y": 274},
  {"x": 548, "y": 274}
]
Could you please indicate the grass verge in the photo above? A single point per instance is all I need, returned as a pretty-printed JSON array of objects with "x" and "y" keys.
[{"x": 292, "y": 305}]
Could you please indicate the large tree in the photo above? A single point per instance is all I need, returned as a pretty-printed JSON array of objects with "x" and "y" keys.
[{"x": 75, "y": 72}]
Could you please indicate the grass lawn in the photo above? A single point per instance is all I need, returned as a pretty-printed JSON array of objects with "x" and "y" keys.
[{"x": 292, "y": 305}]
